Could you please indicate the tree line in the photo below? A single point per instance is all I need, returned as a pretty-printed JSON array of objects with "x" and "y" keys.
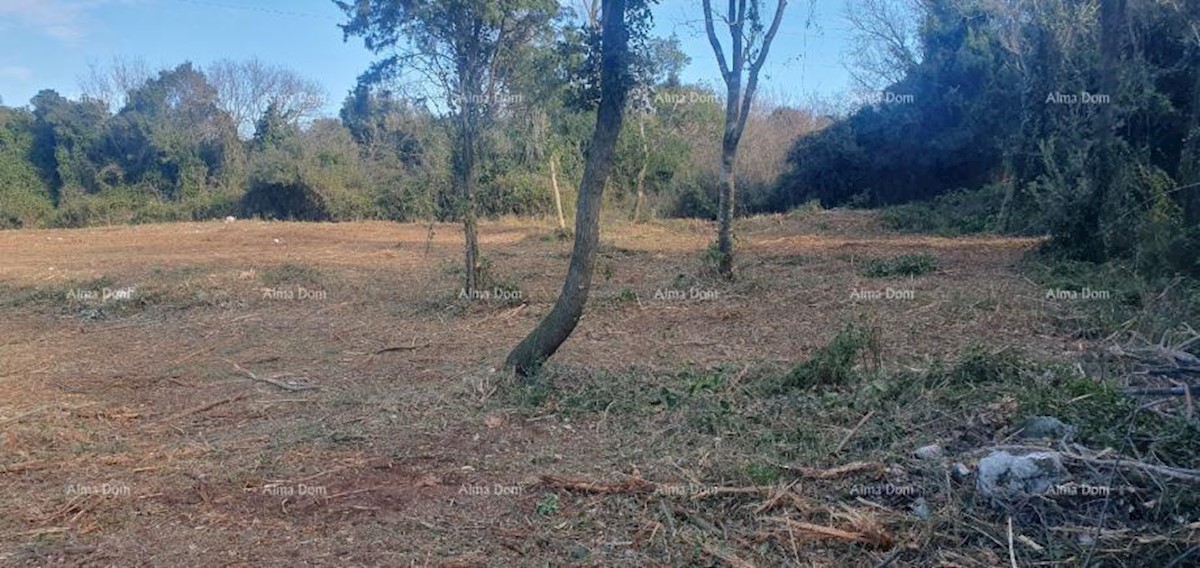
[
  {"x": 249, "y": 139},
  {"x": 1074, "y": 118}
]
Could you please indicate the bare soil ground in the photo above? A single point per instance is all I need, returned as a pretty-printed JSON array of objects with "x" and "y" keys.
[{"x": 256, "y": 393}]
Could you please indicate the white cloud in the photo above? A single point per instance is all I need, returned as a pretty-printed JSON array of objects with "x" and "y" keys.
[
  {"x": 64, "y": 20},
  {"x": 16, "y": 72}
]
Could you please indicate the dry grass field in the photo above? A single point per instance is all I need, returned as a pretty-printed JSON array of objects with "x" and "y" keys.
[{"x": 287, "y": 394}]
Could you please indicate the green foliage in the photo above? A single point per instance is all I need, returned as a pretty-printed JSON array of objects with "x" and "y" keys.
[
  {"x": 547, "y": 506},
  {"x": 697, "y": 201},
  {"x": 1003, "y": 102},
  {"x": 25, "y": 199},
  {"x": 1132, "y": 301},
  {"x": 311, "y": 176},
  {"x": 902, "y": 265},
  {"x": 961, "y": 212},
  {"x": 981, "y": 366},
  {"x": 836, "y": 363},
  {"x": 758, "y": 473}
]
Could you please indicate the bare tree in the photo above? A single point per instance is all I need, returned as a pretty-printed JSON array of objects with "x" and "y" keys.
[
  {"x": 246, "y": 88},
  {"x": 554, "y": 329},
  {"x": 111, "y": 84},
  {"x": 884, "y": 41},
  {"x": 749, "y": 45}
]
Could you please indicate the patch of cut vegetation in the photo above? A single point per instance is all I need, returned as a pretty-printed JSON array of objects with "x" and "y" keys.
[
  {"x": 1094, "y": 301},
  {"x": 968, "y": 407},
  {"x": 902, "y": 265},
  {"x": 293, "y": 274},
  {"x": 838, "y": 363}
]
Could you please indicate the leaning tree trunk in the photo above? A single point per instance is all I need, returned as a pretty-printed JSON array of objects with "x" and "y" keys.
[{"x": 554, "y": 329}]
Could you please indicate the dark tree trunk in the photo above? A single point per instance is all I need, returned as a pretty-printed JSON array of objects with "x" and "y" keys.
[
  {"x": 554, "y": 329},
  {"x": 466, "y": 176},
  {"x": 1112, "y": 15}
]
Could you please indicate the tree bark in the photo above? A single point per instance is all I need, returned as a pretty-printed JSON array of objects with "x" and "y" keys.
[
  {"x": 465, "y": 172},
  {"x": 554, "y": 329},
  {"x": 738, "y": 101},
  {"x": 641, "y": 177},
  {"x": 562, "y": 222},
  {"x": 1112, "y": 15}
]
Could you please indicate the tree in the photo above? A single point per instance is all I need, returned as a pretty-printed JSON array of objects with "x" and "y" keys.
[
  {"x": 25, "y": 198},
  {"x": 67, "y": 135},
  {"x": 272, "y": 128},
  {"x": 112, "y": 84},
  {"x": 245, "y": 89},
  {"x": 749, "y": 46},
  {"x": 884, "y": 41},
  {"x": 615, "y": 81},
  {"x": 171, "y": 137},
  {"x": 465, "y": 49}
]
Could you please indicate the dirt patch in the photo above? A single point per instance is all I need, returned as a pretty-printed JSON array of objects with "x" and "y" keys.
[{"x": 281, "y": 393}]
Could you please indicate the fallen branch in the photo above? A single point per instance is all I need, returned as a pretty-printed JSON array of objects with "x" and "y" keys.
[
  {"x": 1127, "y": 464},
  {"x": 853, "y": 431},
  {"x": 206, "y": 407},
  {"x": 23, "y": 467},
  {"x": 839, "y": 471},
  {"x": 402, "y": 348},
  {"x": 355, "y": 492},
  {"x": 880, "y": 540},
  {"x": 272, "y": 382},
  {"x": 1012, "y": 551},
  {"x": 725, "y": 556},
  {"x": 634, "y": 485},
  {"x": 1173, "y": 391}
]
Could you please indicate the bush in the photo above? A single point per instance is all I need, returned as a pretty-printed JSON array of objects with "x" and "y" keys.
[
  {"x": 695, "y": 202},
  {"x": 516, "y": 193},
  {"x": 960, "y": 212},
  {"x": 903, "y": 265},
  {"x": 835, "y": 364}
]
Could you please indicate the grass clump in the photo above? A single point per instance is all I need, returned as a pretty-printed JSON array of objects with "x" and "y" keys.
[
  {"x": 903, "y": 265},
  {"x": 291, "y": 273},
  {"x": 836, "y": 363},
  {"x": 1112, "y": 297}
]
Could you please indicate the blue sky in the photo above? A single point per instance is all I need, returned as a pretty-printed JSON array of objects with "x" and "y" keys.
[{"x": 49, "y": 43}]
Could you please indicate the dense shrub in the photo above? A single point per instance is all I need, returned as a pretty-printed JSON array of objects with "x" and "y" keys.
[{"x": 961, "y": 212}]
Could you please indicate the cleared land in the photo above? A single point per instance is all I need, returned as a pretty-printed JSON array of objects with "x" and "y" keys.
[{"x": 258, "y": 393}]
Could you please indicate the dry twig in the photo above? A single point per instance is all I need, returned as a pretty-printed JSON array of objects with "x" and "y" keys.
[{"x": 270, "y": 381}]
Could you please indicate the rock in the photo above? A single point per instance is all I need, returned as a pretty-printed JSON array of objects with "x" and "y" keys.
[
  {"x": 930, "y": 452},
  {"x": 580, "y": 553},
  {"x": 1004, "y": 475},
  {"x": 920, "y": 508},
  {"x": 1046, "y": 427},
  {"x": 960, "y": 471}
]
